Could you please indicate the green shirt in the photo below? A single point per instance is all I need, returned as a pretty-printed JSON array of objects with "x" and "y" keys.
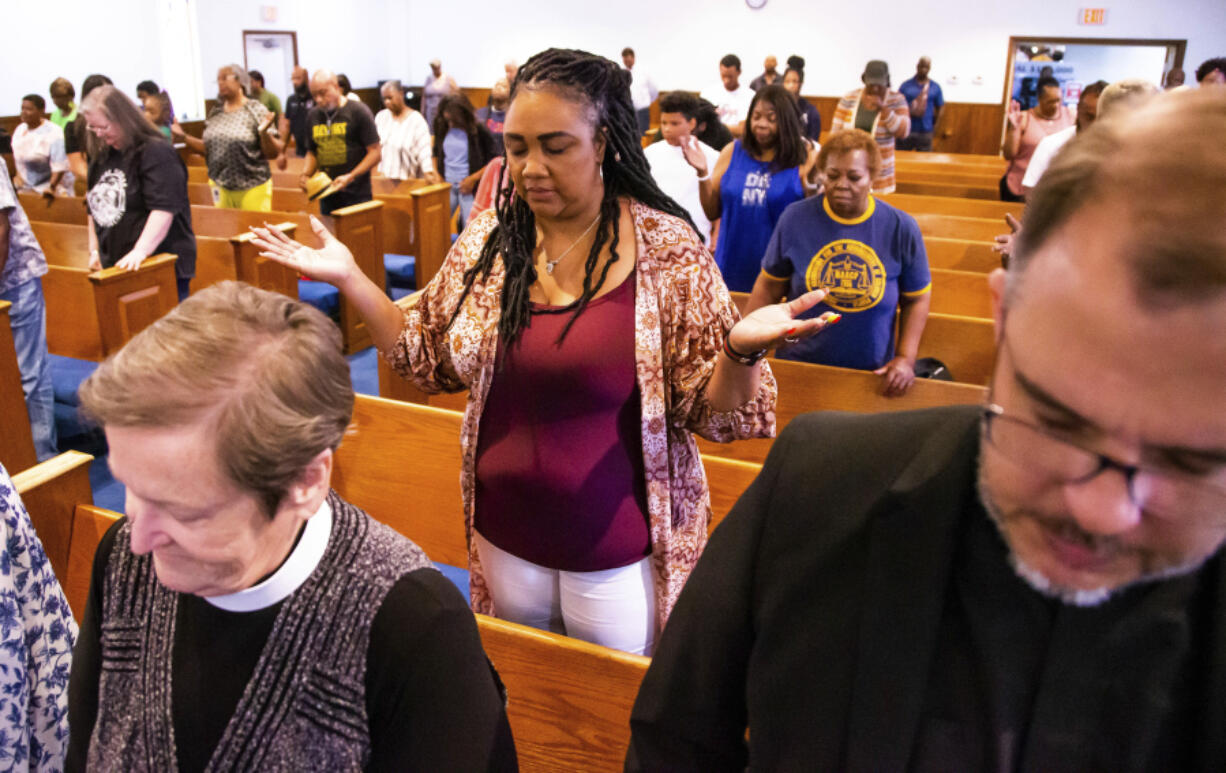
[
  {"x": 61, "y": 119},
  {"x": 270, "y": 101}
]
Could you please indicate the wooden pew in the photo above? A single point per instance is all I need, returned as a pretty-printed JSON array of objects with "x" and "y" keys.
[
  {"x": 961, "y": 254},
  {"x": 416, "y": 220},
  {"x": 415, "y": 217},
  {"x": 568, "y": 701},
  {"x": 967, "y": 346},
  {"x": 907, "y": 166},
  {"x": 51, "y": 492},
  {"x": 992, "y": 163},
  {"x": 941, "y": 188},
  {"x": 936, "y": 174},
  {"x": 960, "y": 227},
  {"x": 417, "y": 490},
  {"x": 91, "y": 314},
  {"x": 218, "y": 258},
  {"x": 16, "y": 440},
  {"x": 804, "y": 387},
  {"x": 964, "y": 293},
  {"x": 947, "y": 205}
]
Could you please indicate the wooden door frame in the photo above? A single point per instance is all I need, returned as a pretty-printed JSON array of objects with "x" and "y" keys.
[{"x": 292, "y": 34}]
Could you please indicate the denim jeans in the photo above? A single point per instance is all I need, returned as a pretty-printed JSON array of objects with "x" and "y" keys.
[
  {"x": 28, "y": 317},
  {"x": 464, "y": 201}
]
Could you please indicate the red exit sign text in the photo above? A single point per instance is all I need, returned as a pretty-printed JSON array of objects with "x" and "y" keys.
[{"x": 1092, "y": 16}]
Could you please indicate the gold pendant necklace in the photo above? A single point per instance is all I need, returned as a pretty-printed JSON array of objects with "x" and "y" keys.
[{"x": 550, "y": 265}]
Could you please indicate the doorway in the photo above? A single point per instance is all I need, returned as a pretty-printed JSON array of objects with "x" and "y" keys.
[{"x": 275, "y": 55}]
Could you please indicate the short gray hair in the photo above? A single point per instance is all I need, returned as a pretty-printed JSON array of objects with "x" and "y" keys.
[
  {"x": 244, "y": 80},
  {"x": 265, "y": 369}
]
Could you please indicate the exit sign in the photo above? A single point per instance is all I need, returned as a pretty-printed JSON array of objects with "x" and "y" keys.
[{"x": 1092, "y": 16}]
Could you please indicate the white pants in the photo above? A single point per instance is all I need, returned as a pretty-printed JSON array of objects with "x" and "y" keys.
[{"x": 614, "y": 607}]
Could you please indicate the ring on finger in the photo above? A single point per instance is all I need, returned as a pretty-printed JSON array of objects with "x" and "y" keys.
[{"x": 791, "y": 339}]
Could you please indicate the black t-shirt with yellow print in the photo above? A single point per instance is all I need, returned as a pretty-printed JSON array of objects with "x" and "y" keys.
[{"x": 339, "y": 140}]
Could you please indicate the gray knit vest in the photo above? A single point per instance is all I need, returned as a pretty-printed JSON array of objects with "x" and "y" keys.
[{"x": 305, "y": 706}]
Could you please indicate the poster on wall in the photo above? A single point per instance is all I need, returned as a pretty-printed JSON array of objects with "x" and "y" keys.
[{"x": 1074, "y": 65}]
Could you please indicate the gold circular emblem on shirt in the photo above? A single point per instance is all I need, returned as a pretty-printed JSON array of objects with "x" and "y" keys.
[{"x": 851, "y": 272}]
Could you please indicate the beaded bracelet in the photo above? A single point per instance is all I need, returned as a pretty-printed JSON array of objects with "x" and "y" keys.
[{"x": 744, "y": 359}]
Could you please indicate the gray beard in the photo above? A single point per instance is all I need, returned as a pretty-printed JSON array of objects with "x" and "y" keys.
[{"x": 1071, "y": 596}]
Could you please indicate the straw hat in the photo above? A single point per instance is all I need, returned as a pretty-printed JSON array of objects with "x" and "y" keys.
[{"x": 319, "y": 186}]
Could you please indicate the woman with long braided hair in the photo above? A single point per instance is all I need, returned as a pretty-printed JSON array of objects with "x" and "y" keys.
[{"x": 593, "y": 332}]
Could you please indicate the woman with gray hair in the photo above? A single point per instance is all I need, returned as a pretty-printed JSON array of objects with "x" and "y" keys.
[
  {"x": 137, "y": 190},
  {"x": 238, "y": 141}
]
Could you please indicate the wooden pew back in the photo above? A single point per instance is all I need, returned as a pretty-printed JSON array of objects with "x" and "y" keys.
[
  {"x": 16, "y": 440},
  {"x": 804, "y": 387},
  {"x": 401, "y": 463},
  {"x": 961, "y": 254},
  {"x": 963, "y": 293},
  {"x": 51, "y": 492},
  {"x": 568, "y": 701},
  {"x": 967, "y": 346},
  {"x": 947, "y": 205},
  {"x": 960, "y": 227},
  {"x": 93, "y": 314}
]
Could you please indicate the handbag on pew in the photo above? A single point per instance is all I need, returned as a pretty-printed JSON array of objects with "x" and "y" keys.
[{"x": 931, "y": 367}]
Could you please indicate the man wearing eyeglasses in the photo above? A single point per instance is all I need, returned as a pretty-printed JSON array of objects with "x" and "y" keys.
[{"x": 1032, "y": 585}]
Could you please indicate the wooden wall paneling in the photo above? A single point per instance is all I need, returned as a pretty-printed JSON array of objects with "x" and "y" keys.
[{"x": 967, "y": 127}]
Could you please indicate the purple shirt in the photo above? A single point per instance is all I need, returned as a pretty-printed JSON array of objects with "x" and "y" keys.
[{"x": 560, "y": 478}]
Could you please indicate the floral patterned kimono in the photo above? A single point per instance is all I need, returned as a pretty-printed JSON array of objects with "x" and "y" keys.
[
  {"x": 37, "y": 634},
  {"x": 682, "y": 313}
]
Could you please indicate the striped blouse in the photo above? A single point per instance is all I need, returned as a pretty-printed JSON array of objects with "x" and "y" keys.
[
  {"x": 893, "y": 110},
  {"x": 406, "y": 145}
]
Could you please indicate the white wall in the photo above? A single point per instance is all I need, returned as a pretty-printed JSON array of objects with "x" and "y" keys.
[
  {"x": 680, "y": 41},
  {"x": 47, "y": 39},
  {"x": 351, "y": 36}
]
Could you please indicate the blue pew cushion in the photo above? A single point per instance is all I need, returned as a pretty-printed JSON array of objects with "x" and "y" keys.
[
  {"x": 321, "y": 295},
  {"x": 401, "y": 270},
  {"x": 67, "y": 374}
]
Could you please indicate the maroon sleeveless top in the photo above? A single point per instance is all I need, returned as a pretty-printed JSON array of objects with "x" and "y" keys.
[{"x": 559, "y": 467}]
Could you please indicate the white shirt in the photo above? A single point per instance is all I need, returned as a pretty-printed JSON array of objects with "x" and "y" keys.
[
  {"x": 678, "y": 179},
  {"x": 407, "y": 152},
  {"x": 290, "y": 576},
  {"x": 643, "y": 90},
  {"x": 732, "y": 106},
  {"x": 1044, "y": 152}
]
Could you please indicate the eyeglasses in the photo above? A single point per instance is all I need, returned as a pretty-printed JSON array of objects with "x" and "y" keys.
[{"x": 1160, "y": 492}]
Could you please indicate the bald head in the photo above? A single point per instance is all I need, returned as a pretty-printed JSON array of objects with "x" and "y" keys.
[
  {"x": 1162, "y": 165},
  {"x": 326, "y": 89},
  {"x": 922, "y": 67},
  {"x": 770, "y": 64}
]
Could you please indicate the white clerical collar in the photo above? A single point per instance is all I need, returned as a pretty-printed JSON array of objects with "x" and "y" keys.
[{"x": 290, "y": 576}]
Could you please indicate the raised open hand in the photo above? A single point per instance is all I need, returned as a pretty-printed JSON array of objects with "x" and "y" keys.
[
  {"x": 332, "y": 263},
  {"x": 773, "y": 326},
  {"x": 1004, "y": 242},
  {"x": 694, "y": 155}
]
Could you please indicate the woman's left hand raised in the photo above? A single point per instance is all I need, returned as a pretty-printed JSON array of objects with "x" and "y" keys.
[{"x": 773, "y": 326}]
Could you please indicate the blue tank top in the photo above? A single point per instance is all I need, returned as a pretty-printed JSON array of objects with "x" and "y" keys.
[{"x": 752, "y": 199}]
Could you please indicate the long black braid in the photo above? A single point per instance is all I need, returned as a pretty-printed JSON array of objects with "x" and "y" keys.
[{"x": 606, "y": 88}]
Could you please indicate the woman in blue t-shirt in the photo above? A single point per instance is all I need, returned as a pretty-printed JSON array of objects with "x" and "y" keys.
[
  {"x": 462, "y": 148},
  {"x": 867, "y": 255},
  {"x": 754, "y": 180}
]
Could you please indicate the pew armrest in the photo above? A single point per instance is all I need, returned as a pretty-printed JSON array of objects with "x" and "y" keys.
[
  {"x": 261, "y": 272},
  {"x": 51, "y": 492},
  {"x": 127, "y": 302}
]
